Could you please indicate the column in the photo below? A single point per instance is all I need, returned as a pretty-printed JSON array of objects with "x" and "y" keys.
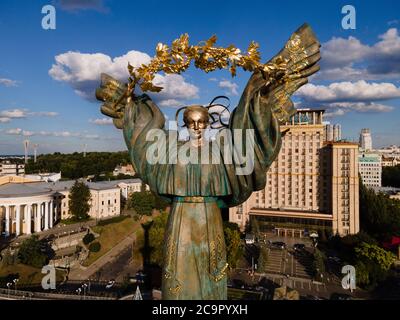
[
  {"x": 51, "y": 215},
  {"x": 28, "y": 222},
  {"x": 46, "y": 216},
  {"x": 18, "y": 222},
  {"x": 38, "y": 222},
  {"x": 7, "y": 230}
]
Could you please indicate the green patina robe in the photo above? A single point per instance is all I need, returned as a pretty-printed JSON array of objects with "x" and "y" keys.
[{"x": 194, "y": 253}]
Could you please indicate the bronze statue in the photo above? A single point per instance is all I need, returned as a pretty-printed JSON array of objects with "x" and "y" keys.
[{"x": 194, "y": 253}]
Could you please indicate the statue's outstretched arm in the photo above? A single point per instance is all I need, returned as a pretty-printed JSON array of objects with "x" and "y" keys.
[{"x": 290, "y": 70}]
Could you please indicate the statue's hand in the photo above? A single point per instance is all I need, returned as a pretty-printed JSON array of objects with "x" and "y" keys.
[
  {"x": 114, "y": 95},
  {"x": 297, "y": 61}
]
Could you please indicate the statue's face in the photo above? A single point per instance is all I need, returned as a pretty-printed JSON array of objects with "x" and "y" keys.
[{"x": 196, "y": 120}]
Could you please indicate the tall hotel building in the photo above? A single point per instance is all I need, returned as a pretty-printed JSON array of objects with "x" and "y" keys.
[{"x": 313, "y": 184}]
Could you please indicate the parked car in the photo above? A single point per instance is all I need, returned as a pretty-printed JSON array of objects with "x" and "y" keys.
[
  {"x": 110, "y": 284},
  {"x": 250, "y": 238},
  {"x": 334, "y": 259},
  {"x": 341, "y": 296},
  {"x": 278, "y": 245},
  {"x": 299, "y": 246}
]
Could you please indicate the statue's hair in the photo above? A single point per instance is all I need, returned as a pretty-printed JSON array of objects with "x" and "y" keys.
[{"x": 215, "y": 117}]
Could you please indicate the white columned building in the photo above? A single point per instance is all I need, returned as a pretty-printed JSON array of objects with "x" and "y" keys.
[{"x": 26, "y": 213}]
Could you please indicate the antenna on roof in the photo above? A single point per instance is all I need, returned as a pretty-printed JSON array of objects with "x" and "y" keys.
[
  {"x": 35, "y": 146},
  {"x": 26, "y": 145}
]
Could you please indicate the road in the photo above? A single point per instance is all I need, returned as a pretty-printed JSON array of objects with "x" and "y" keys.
[{"x": 84, "y": 273}]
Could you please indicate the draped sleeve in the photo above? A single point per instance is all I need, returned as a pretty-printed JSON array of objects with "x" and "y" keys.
[
  {"x": 141, "y": 116},
  {"x": 264, "y": 105}
]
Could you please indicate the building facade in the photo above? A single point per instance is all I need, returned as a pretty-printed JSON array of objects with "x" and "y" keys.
[
  {"x": 9, "y": 168},
  {"x": 370, "y": 168},
  {"x": 28, "y": 206},
  {"x": 313, "y": 183}
]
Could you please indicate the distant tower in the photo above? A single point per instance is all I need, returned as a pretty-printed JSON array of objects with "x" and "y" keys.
[
  {"x": 84, "y": 150},
  {"x": 26, "y": 145},
  {"x": 35, "y": 146},
  {"x": 337, "y": 132},
  {"x": 365, "y": 139},
  {"x": 329, "y": 132}
]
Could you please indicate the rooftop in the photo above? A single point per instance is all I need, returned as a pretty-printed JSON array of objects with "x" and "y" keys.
[{"x": 41, "y": 188}]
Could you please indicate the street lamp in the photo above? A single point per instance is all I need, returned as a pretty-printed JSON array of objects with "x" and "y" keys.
[
  {"x": 9, "y": 284},
  {"x": 84, "y": 286},
  {"x": 15, "y": 284},
  {"x": 89, "y": 286}
]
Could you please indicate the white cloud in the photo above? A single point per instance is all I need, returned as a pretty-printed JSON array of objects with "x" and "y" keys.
[
  {"x": 362, "y": 106},
  {"x": 349, "y": 91},
  {"x": 23, "y": 113},
  {"x": 82, "y": 72},
  {"x": 4, "y": 119},
  {"x": 78, "y": 5},
  {"x": 350, "y": 59},
  {"x": 342, "y": 108},
  {"x": 27, "y": 133},
  {"x": 334, "y": 113},
  {"x": 15, "y": 113},
  {"x": 16, "y": 131},
  {"x": 232, "y": 87},
  {"x": 8, "y": 82},
  {"x": 62, "y": 134},
  {"x": 170, "y": 103},
  {"x": 101, "y": 122},
  {"x": 44, "y": 114}
]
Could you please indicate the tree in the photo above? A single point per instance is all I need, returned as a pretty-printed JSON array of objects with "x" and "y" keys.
[
  {"x": 379, "y": 215},
  {"x": 156, "y": 238},
  {"x": 391, "y": 176},
  {"x": 79, "y": 201},
  {"x": 88, "y": 238},
  {"x": 30, "y": 252},
  {"x": 234, "y": 246},
  {"x": 262, "y": 260},
  {"x": 142, "y": 202},
  {"x": 319, "y": 263},
  {"x": 373, "y": 264},
  {"x": 94, "y": 247}
]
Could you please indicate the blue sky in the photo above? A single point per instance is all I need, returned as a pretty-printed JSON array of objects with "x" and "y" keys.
[{"x": 47, "y": 77}]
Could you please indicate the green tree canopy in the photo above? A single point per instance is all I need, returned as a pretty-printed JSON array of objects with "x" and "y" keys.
[
  {"x": 234, "y": 245},
  {"x": 372, "y": 264},
  {"x": 30, "y": 252},
  {"x": 75, "y": 165},
  {"x": 144, "y": 202},
  {"x": 379, "y": 215},
  {"x": 391, "y": 176},
  {"x": 79, "y": 201},
  {"x": 156, "y": 238}
]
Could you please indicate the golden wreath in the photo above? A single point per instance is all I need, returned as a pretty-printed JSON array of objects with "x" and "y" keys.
[{"x": 178, "y": 57}]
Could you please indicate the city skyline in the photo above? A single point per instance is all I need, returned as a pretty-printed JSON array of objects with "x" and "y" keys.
[{"x": 47, "y": 80}]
